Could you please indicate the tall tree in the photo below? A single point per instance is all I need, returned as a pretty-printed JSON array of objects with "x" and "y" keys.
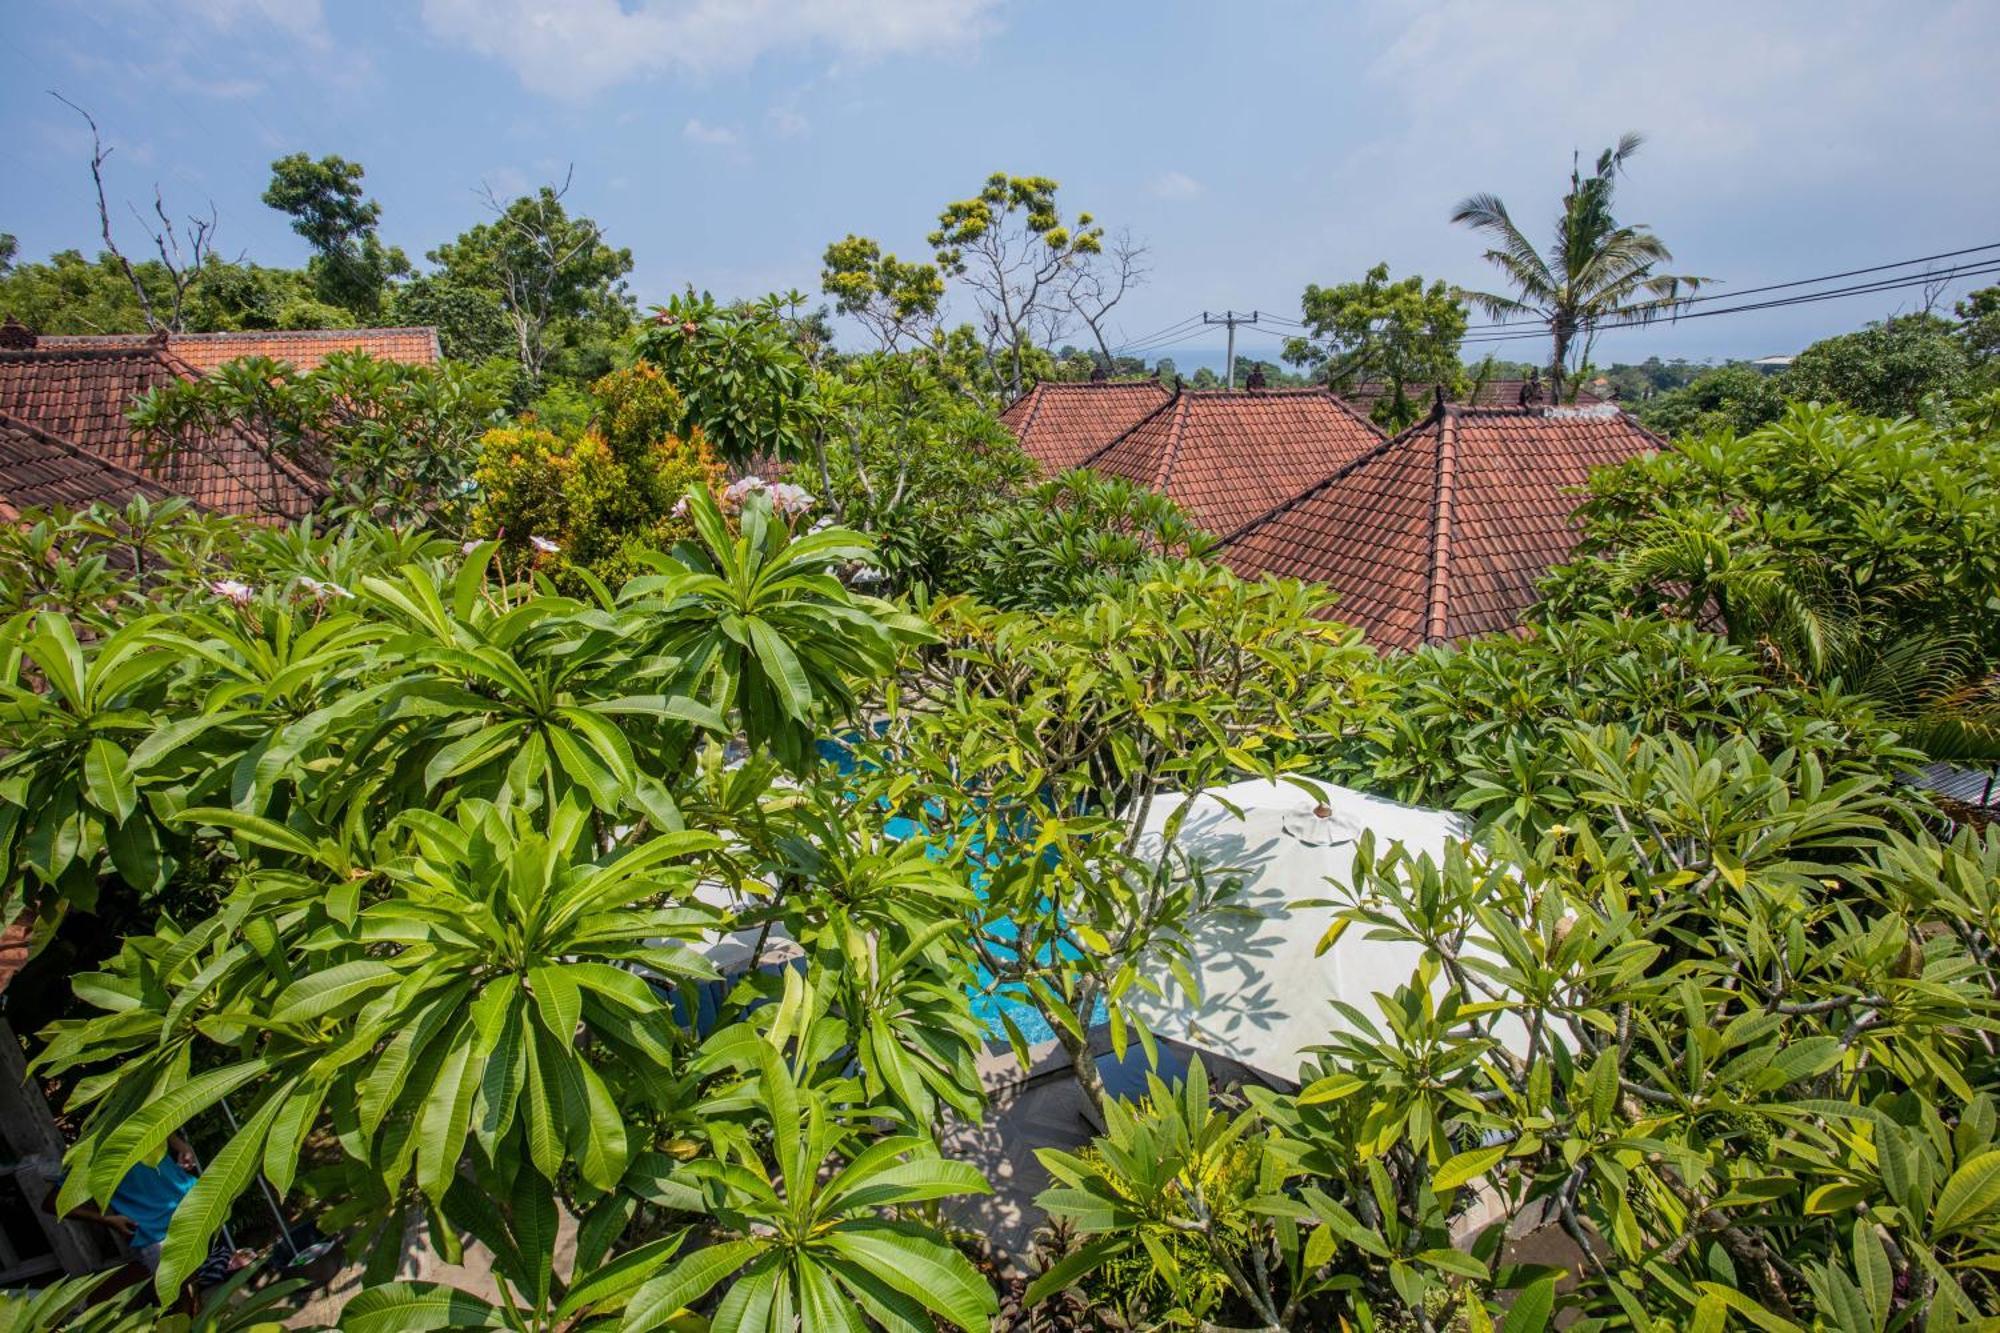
[
  {"x": 350, "y": 265},
  {"x": 1598, "y": 272},
  {"x": 894, "y": 300},
  {"x": 1009, "y": 244},
  {"x": 548, "y": 270},
  {"x": 1390, "y": 333}
]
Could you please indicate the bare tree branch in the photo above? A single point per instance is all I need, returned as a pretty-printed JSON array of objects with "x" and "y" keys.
[
  {"x": 1101, "y": 281},
  {"x": 98, "y": 154}
]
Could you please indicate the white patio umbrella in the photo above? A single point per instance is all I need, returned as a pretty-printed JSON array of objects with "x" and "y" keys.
[{"x": 1265, "y": 996}]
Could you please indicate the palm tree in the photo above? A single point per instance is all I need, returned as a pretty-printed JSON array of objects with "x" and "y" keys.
[{"x": 1598, "y": 272}]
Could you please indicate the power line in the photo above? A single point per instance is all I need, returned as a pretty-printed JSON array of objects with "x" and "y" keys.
[
  {"x": 1777, "y": 286},
  {"x": 1904, "y": 282},
  {"x": 1536, "y": 330},
  {"x": 1132, "y": 343}
]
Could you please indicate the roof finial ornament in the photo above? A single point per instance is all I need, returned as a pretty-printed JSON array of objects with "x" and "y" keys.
[{"x": 16, "y": 336}]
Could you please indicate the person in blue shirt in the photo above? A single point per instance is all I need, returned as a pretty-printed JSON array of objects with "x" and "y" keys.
[{"x": 143, "y": 1205}]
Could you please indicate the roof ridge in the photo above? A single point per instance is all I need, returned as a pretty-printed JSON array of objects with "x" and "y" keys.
[
  {"x": 1173, "y": 449},
  {"x": 83, "y": 351},
  {"x": 1338, "y": 474},
  {"x": 1109, "y": 444},
  {"x": 1035, "y": 396},
  {"x": 1444, "y": 503}
]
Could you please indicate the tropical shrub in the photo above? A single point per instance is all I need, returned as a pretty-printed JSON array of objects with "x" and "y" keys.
[
  {"x": 1031, "y": 746},
  {"x": 1069, "y": 540},
  {"x": 396, "y": 442},
  {"x": 1727, "y": 1030},
  {"x": 915, "y": 462},
  {"x": 601, "y": 497},
  {"x": 1840, "y": 549},
  {"x": 457, "y": 831},
  {"x": 1467, "y": 726}
]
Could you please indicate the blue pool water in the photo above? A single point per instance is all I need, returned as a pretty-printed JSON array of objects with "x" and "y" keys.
[{"x": 988, "y": 999}]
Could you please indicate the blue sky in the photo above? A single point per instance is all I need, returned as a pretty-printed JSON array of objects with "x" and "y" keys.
[{"x": 1253, "y": 146}]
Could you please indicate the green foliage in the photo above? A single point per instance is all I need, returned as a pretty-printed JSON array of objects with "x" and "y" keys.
[
  {"x": 1736, "y": 398},
  {"x": 1167, "y": 1198},
  {"x": 396, "y": 441},
  {"x": 1911, "y": 366},
  {"x": 801, "y": 1219},
  {"x": 915, "y": 462},
  {"x": 74, "y": 1305},
  {"x": 350, "y": 266},
  {"x": 1726, "y": 1027},
  {"x": 755, "y": 624},
  {"x": 458, "y": 828},
  {"x": 472, "y": 324},
  {"x": 559, "y": 286},
  {"x": 603, "y": 493},
  {"x": 745, "y": 379},
  {"x": 1845, "y": 549},
  {"x": 893, "y": 299},
  {"x": 1069, "y": 540},
  {"x": 1036, "y": 744},
  {"x": 67, "y": 293},
  {"x": 1980, "y": 329},
  {"x": 1597, "y": 269},
  {"x": 1010, "y": 246},
  {"x": 1375, "y": 331},
  {"x": 1466, "y": 726}
]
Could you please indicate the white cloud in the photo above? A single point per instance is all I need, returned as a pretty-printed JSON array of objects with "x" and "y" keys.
[
  {"x": 712, "y": 136},
  {"x": 1175, "y": 185},
  {"x": 786, "y": 121},
  {"x": 304, "y": 20},
  {"x": 574, "y": 48}
]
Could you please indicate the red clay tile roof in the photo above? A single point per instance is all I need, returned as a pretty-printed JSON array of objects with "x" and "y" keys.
[
  {"x": 1059, "y": 424},
  {"x": 304, "y": 348},
  {"x": 1228, "y": 456},
  {"x": 83, "y": 395},
  {"x": 1494, "y": 393},
  {"x": 43, "y": 471},
  {"x": 1442, "y": 532}
]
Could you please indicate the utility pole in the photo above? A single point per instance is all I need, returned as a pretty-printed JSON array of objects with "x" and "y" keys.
[{"x": 1232, "y": 319}]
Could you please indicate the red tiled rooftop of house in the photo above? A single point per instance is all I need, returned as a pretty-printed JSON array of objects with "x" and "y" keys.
[
  {"x": 305, "y": 349},
  {"x": 43, "y": 471},
  {"x": 1227, "y": 456},
  {"x": 1493, "y": 393},
  {"x": 1060, "y": 424},
  {"x": 84, "y": 395},
  {"x": 1442, "y": 532}
]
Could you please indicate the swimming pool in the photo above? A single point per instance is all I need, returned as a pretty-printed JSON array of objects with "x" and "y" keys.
[{"x": 988, "y": 997}]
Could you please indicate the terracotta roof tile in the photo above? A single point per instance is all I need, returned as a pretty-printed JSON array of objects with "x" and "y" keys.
[
  {"x": 1443, "y": 532},
  {"x": 306, "y": 349},
  {"x": 83, "y": 395},
  {"x": 43, "y": 471},
  {"x": 1059, "y": 424},
  {"x": 1227, "y": 456}
]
